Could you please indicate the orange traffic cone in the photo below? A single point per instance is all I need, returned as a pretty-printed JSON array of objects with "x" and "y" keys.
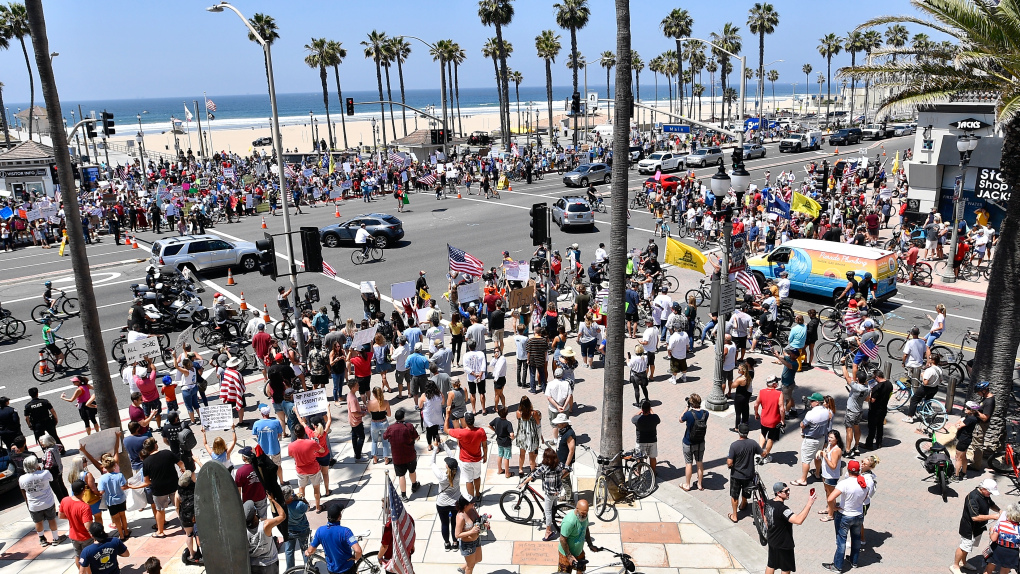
[
  {"x": 134, "y": 242},
  {"x": 836, "y": 152},
  {"x": 230, "y": 276},
  {"x": 509, "y": 188},
  {"x": 265, "y": 313},
  {"x": 883, "y": 151},
  {"x": 337, "y": 205},
  {"x": 458, "y": 194},
  {"x": 264, "y": 222},
  {"x": 43, "y": 366},
  {"x": 244, "y": 304}
]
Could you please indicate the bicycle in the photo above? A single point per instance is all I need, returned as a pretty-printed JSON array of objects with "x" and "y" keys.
[
  {"x": 11, "y": 327},
  {"x": 664, "y": 229},
  {"x": 625, "y": 563},
  {"x": 943, "y": 468},
  {"x": 951, "y": 363},
  {"x": 701, "y": 238},
  {"x": 833, "y": 327},
  {"x": 367, "y": 564},
  {"x": 758, "y": 502},
  {"x": 638, "y": 477},
  {"x": 63, "y": 307},
  {"x": 663, "y": 281},
  {"x": 117, "y": 350},
  {"x": 75, "y": 359},
  {"x": 931, "y": 413},
  {"x": 373, "y": 254},
  {"x": 702, "y": 295},
  {"x": 841, "y": 352},
  {"x": 518, "y": 507},
  {"x": 922, "y": 274}
]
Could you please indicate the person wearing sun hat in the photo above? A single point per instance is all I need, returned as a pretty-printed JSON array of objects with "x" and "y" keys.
[
  {"x": 813, "y": 428},
  {"x": 978, "y": 510}
]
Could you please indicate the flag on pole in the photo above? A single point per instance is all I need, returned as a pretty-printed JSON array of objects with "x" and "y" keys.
[
  {"x": 402, "y": 530},
  {"x": 464, "y": 262},
  {"x": 187, "y": 113},
  {"x": 428, "y": 179},
  {"x": 332, "y": 164},
  {"x": 396, "y": 158},
  {"x": 870, "y": 348},
  {"x": 328, "y": 270},
  {"x": 805, "y": 204},
  {"x": 748, "y": 282},
  {"x": 210, "y": 105},
  {"x": 896, "y": 163}
]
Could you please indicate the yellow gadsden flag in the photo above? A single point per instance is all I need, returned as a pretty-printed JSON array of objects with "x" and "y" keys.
[
  {"x": 685, "y": 256},
  {"x": 805, "y": 204},
  {"x": 896, "y": 163}
]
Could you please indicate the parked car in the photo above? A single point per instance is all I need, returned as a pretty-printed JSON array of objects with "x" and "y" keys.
[
  {"x": 589, "y": 173},
  {"x": 704, "y": 156},
  {"x": 669, "y": 183},
  {"x": 637, "y": 153},
  {"x": 902, "y": 129},
  {"x": 753, "y": 150},
  {"x": 573, "y": 212},
  {"x": 877, "y": 131},
  {"x": 660, "y": 161},
  {"x": 386, "y": 230},
  {"x": 846, "y": 136},
  {"x": 202, "y": 252},
  {"x": 265, "y": 140}
]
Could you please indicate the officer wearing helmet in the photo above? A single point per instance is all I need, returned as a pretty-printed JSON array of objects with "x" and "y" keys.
[
  {"x": 978, "y": 446},
  {"x": 136, "y": 316},
  {"x": 852, "y": 287}
]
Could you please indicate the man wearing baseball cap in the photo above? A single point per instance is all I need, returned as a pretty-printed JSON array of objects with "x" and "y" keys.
[
  {"x": 780, "y": 520},
  {"x": 978, "y": 509},
  {"x": 851, "y": 492},
  {"x": 813, "y": 428},
  {"x": 740, "y": 460}
]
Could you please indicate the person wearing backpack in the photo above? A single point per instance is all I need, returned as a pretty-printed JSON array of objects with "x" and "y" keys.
[
  {"x": 180, "y": 438},
  {"x": 694, "y": 440}
]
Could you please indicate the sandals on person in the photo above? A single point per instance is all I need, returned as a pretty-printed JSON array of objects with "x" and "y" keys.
[
  {"x": 686, "y": 487},
  {"x": 825, "y": 519},
  {"x": 798, "y": 482},
  {"x": 732, "y": 518}
]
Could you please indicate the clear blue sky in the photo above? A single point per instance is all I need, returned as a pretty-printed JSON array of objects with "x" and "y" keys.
[{"x": 118, "y": 49}]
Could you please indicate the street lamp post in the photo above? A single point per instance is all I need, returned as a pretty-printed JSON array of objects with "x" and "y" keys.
[
  {"x": 375, "y": 146},
  {"x": 965, "y": 144},
  {"x": 281, "y": 172},
  {"x": 140, "y": 138}
]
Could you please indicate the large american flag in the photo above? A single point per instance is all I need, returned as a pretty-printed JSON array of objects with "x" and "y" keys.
[
  {"x": 210, "y": 105},
  {"x": 748, "y": 282},
  {"x": 870, "y": 349},
  {"x": 403, "y": 534},
  {"x": 328, "y": 270},
  {"x": 464, "y": 262},
  {"x": 396, "y": 158},
  {"x": 428, "y": 179}
]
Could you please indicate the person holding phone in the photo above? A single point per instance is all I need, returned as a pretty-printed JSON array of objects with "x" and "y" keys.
[{"x": 781, "y": 520}]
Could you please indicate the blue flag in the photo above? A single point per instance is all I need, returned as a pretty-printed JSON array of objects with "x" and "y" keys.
[{"x": 777, "y": 206}]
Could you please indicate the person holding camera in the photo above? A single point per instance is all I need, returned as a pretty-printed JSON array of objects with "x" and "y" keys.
[{"x": 696, "y": 420}]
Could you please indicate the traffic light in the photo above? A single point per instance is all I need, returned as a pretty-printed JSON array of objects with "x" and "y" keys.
[
  {"x": 90, "y": 129},
  {"x": 441, "y": 136},
  {"x": 350, "y": 106},
  {"x": 539, "y": 224},
  {"x": 107, "y": 120},
  {"x": 53, "y": 174},
  {"x": 311, "y": 246},
  {"x": 575, "y": 103},
  {"x": 434, "y": 136},
  {"x": 267, "y": 256}
]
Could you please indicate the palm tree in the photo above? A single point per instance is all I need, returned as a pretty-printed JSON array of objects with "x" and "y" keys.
[
  {"x": 711, "y": 67},
  {"x": 818, "y": 107},
  {"x": 400, "y": 50},
  {"x": 654, "y": 66},
  {"x": 697, "y": 91},
  {"x": 696, "y": 59},
  {"x": 608, "y": 61},
  {"x": 336, "y": 53},
  {"x": 573, "y": 15},
  {"x": 772, "y": 76},
  {"x": 986, "y": 32},
  {"x": 459, "y": 55},
  {"x": 762, "y": 19},
  {"x": 375, "y": 49},
  {"x": 440, "y": 52},
  {"x": 318, "y": 57},
  {"x": 829, "y": 46},
  {"x": 491, "y": 50},
  {"x": 637, "y": 64},
  {"x": 4, "y": 44},
  {"x": 387, "y": 60},
  {"x": 678, "y": 25},
  {"x": 14, "y": 19},
  {"x": 872, "y": 42},
  {"x": 499, "y": 13},
  {"x": 669, "y": 69},
  {"x": 896, "y": 37},
  {"x": 266, "y": 27},
  {"x": 729, "y": 40},
  {"x": 451, "y": 48},
  {"x": 853, "y": 44},
  {"x": 516, "y": 77},
  {"x": 547, "y": 43}
]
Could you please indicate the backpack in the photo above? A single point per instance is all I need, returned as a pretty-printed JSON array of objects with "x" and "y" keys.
[
  {"x": 699, "y": 430},
  {"x": 186, "y": 438}
]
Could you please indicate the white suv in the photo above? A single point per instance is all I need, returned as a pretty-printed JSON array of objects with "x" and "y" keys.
[
  {"x": 660, "y": 161},
  {"x": 201, "y": 252}
]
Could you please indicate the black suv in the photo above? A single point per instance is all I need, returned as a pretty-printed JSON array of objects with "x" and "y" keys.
[
  {"x": 846, "y": 136},
  {"x": 264, "y": 140}
]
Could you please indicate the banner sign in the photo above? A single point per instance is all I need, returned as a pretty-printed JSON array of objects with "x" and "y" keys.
[
  {"x": 311, "y": 402},
  {"x": 217, "y": 417}
]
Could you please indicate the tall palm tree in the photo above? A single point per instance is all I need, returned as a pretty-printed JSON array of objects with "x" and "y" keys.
[
  {"x": 266, "y": 26},
  {"x": 4, "y": 44},
  {"x": 896, "y": 37},
  {"x": 711, "y": 67},
  {"x": 677, "y": 25},
  {"x": 807, "y": 69},
  {"x": 547, "y": 43},
  {"x": 451, "y": 48},
  {"x": 440, "y": 52},
  {"x": 762, "y": 20},
  {"x": 459, "y": 55},
  {"x": 637, "y": 64},
  {"x": 318, "y": 57},
  {"x": 400, "y": 50},
  {"x": 829, "y": 46},
  {"x": 516, "y": 77},
  {"x": 15, "y": 24},
  {"x": 608, "y": 61},
  {"x": 387, "y": 60},
  {"x": 818, "y": 107},
  {"x": 773, "y": 76},
  {"x": 499, "y": 13},
  {"x": 853, "y": 43},
  {"x": 728, "y": 39},
  {"x": 696, "y": 60},
  {"x": 697, "y": 91},
  {"x": 336, "y": 53},
  {"x": 872, "y": 42},
  {"x": 491, "y": 50},
  {"x": 986, "y": 32},
  {"x": 669, "y": 69},
  {"x": 654, "y": 66},
  {"x": 375, "y": 49},
  {"x": 573, "y": 15}
]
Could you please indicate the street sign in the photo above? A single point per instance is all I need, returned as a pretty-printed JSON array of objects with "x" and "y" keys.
[
  {"x": 960, "y": 205},
  {"x": 676, "y": 129},
  {"x": 593, "y": 99},
  {"x": 729, "y": 297}
]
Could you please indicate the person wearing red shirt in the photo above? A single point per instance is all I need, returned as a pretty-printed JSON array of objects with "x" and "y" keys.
[
  {"x": 770, "y": 410},
  {"x": 402, "y": 436},
  {"x": 150, "y": 392},
  {"x": 361, "y": 363},
  {"x": 261, "y": 343},
  {"x": 474, "y": 454},
  {"x": 78, "y": 515},
  {"x": 962, "y": 248},
  {"x": 305, "y": 451}
]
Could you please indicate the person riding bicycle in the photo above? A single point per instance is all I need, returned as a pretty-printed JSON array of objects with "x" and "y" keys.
[
  {"x": 221, "y": 315},
  {"x": 852, "y": 286},
  {"x": 867, "y": 344},
  {"x": 867, "y": 287},
  {"x": 593, "y": 197},
  {"x": 49, "y": 336},
  {"x": 651, "y": 251},
  {"x": 48, "y": 297},
  {"x": 364, "y": 239}
]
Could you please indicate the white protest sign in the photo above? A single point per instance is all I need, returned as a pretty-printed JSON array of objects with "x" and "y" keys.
[
  {"x": 517, "y": 270},
  {"x": 311, "y": 402},
  {"x": 424, "y": 314},
  {"x": 403, "y": 290},
  {"x": 364, "y": 337},
  {"x": 33, "y": 214},
  {"x": 368, "y": 286},
  {"x": 469, "y": 292},
  {"x": 147, "y": 347},
  {"x": 217, "y": 417}
]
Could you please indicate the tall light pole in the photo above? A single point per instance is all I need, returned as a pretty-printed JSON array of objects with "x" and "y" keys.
[
  {"x": 278, "y": 146},
  {"x": 743, "y": 86},
  {"x": 140, "y": 138},
  {"x": 446, "y": 130},
  {"x": 375, "y": 146},
  {"x": 761, "y": 85},
  {"x": 965, "y": 144}
]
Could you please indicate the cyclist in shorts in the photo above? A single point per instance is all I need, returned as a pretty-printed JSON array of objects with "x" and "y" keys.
[
  {"x": 49, "y": 337},
  {"x": 48, "y": 297}
]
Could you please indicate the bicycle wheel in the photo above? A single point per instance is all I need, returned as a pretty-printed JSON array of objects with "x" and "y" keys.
[
  {"x": 901, "y": 395},
  {"x": 377, "y": 254},
  {"x": 699, "y": 297},
  {"x": 38, "y": 312},
  {"x": 894, "y": 348},
  {"x": 943, "y": 480},
  {"x": 559, "y": 513},
  {"x": 922, "y": 276},
  {"x": 946, "y": 355},
  {"x": 641, "y": 480},
  {"x": 671, "y": 283},
  {"x": 168, "y": 358},
  {"x": 76, "y": 359},
  {"x": 839, "y": 360},
  {"x": 44, "y": 370},
  {"x": 368, "y": 564},
  {"x": 954, "y": 370},
  {"x": 71, "y": 306},
  {"x": 516, "y": 507},
  {"x": 933, "y": 415},
  {"x": 117, "y": 351},
  {"x": 15, "y": 328},
  {"x": 601, "y": 496},
  {"x": 831, "y": 329},
  {"x": 357, "y": 258},
  {"x": 282, "y": 329},
  {"x": 877, "y": 316},
  {"x": 164, "y": 340},
  {"x": 758, "y": 513},
  {"x": 825, "y": 352},
  {"x": 201, "y": 334},
  {"x": 923, "y": 447}
]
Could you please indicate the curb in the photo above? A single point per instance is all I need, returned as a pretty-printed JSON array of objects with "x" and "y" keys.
[{"x": 960, "y": 290}]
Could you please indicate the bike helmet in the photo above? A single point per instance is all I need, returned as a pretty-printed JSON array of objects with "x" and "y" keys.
[
  {"x": 849, "y": 274},
  {"x": 47, "y": 284},
  {"x": 45, "y": 320},
  {"x": 982, "y": 385}
]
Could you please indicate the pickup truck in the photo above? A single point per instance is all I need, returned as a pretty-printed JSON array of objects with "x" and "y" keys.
[
  {"x": 660, "y": 161},
  {"x": 877, "y": 131},
  {"x": 801, "y": 142}
]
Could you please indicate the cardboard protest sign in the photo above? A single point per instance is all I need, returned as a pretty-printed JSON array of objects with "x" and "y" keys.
[
  {"x": 140, "y": 350},
  {"x": 402, "y": 290},
  {"x": 521, "y": 297},
  {"x": 311, "y": 402},
  {"x": 217, "y": 417}
]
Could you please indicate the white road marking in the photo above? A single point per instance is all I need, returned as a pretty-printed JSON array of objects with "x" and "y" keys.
[
  {"x": 900, "y": 300},
  {"x": 39, "y": 296}
]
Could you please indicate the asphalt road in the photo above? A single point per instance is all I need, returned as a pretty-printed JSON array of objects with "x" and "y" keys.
[{"x": 482, "y": 227}]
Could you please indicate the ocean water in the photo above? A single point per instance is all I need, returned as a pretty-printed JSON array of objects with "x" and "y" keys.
[{"x": 253, "y": 110}]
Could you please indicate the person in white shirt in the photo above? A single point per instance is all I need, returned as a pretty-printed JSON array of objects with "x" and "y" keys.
[
  {"x": 435, "y": 335},
  {"x": 364, "y": 239},
  {"x": 784, "y": 285},
  {"x": 650, "y": 341},
  {"x": 474, "y": 366},
  {"x": 739, "y": 326},
  {"x": 813, "y": 429},
  {"x": 660, "y": 311},
  {"x": 851, "y": 492},
  {"x": 252, "y": 327},
  {"x": 559, "y": 395},
  {"x": 638, "y": 373},
  {"x": 729, "y": 362},
  {"x": 498, "y": 368},
  {"x": 677, "y": 347},
  {"x": 520, "y": 345},
  {"x": 600, "y": 253},
  {"x": 914, "y": 352}
]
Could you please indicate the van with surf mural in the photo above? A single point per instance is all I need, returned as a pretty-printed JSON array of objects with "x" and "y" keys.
[{"x": 820, "y": 267}]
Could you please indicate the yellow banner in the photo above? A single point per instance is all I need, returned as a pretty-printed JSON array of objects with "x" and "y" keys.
[
  {"x": 896, "y": 163},
  {"x": 805, "y": 204},
  {"x": 685, "y": 256}
]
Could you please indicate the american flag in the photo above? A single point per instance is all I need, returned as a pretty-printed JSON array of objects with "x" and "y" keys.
[
  {"x": 210, "y": 105},
  {"x": 748, "y": 282},
  {"x": 289, "y": 171},
  {"x": 328, "y": 270},
  {"x": 396, "y": 158},
  {"x": 464, "y": 262},
  {"x": 403, "y": 534},
  {"x": 852, "y": 319},
  {"x": 428, "y": 179},
  {"x": 870, "y": 349}
]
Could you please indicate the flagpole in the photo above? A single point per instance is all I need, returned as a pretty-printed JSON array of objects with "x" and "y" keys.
[
  {"x": 188, "y": 121},
  {"x": 208, "y": 120}
]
